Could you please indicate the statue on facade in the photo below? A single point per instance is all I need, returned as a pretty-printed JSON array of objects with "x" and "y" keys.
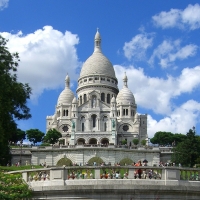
[
  {"x": 73, "y": 125},
  {"x": 113, "y": 123},
  {"x": 94, "y": 102}
]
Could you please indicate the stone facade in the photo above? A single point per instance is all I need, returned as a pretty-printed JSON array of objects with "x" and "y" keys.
[{"x": 101, "y": 114}]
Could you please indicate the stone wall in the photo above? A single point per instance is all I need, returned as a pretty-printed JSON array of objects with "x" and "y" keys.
[{"x": 83, "y": 155}]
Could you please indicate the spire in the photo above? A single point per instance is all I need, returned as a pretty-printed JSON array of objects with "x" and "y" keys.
[
  {"x": 97, "y": 42},
  {"x": 67, "y": 81},
  {"x": 125, "y": 79}
]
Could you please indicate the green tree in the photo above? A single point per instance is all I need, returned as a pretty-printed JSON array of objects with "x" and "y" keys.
[
  {"x": 188, "y": 151},
  {"x": 162, "y": 138},
  {"x": 18, "y": 136},
  {"x": 52, "y": 136},
  {"x": 13, "y": 99},
  {"x": 34, "y": 135},
  {"x": 135, "y": 141}
]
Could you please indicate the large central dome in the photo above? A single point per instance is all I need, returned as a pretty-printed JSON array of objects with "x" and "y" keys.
[{"x": 97, "y": 63}]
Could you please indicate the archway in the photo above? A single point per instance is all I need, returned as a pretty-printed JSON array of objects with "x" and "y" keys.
[
  {"x": 93, "y": 141},
  {"x": 126, "y": 161},
  {"x": 105, "y": 141},
  {"x": 64, "y": 161},
  {"x": 81, "y": 141},
  {"x": 95, "y": 161}
]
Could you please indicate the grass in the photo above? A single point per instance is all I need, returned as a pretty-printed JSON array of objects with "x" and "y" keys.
[{"x": 15, "y": 168}]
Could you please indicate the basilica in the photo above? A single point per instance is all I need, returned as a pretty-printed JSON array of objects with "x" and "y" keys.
[{"x": 100, "y": 113}]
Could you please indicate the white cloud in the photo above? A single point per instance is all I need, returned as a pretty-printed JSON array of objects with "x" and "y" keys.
[
  {"x": 170, "y": 51},
  {"x": 187, "y": 18},
  {"x": 155, "y": 93},
  {"x": 3, "y": 4},
  {"x": 180, "y": 120},
  {"x": 137, "y": 46},
  {"x": 46, "y": 55}
]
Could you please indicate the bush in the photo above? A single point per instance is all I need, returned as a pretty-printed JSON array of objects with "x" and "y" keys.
[
  {"x": 45, "y": 144},
  {"x": 135, "y": 141},
  {"x": 124, "y": 142},
  {"x": 143, "y": 142},
  {"x": 13, "y": 187}
]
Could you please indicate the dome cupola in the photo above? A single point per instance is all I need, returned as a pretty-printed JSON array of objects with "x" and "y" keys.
[
  {"x": 97, "y": 63},
  {"x": 66, "y": 96}
]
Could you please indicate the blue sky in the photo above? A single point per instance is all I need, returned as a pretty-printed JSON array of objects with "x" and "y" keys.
[{"x": 155, "y": 42}]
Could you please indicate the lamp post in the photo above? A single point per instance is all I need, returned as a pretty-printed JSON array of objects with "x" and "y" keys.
[{"x": 21, "y": 143}]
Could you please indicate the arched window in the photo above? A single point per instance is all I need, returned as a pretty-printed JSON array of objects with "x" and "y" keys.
[
  {"x": 85, "y": 98},
  {"x": 108, "y": 98},
  {"x": 94, "y": 120},
  {"x": 80, "y": 100},
  {"x": 103, "y": 97},
  {"x": 123, "y": 111},
  {"x": 63, "y": 112},
  {"x": 82, "y": 127},
  {"x": 105, "y": 126},
  {"x": 126, "y": 111},
  {"x": 82, "y": 124},
  {"x": 67, "y": 112}
]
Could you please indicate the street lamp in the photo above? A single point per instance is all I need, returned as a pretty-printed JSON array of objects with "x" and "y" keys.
[{"x": 21, "y": 143}]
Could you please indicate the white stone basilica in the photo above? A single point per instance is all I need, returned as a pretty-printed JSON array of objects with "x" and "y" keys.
[{"x": 101, "y": 114}]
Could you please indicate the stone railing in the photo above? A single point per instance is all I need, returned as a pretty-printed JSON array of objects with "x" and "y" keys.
[{"x": 79, "y": 175}]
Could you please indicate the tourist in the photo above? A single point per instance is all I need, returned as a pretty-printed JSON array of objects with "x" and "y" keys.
[{"x": 138, "y": 171}]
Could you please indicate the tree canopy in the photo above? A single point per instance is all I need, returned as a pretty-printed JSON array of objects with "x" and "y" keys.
[
  {"x": 52, "y": 136},
  {"x": 34, "y": 135},
  {"x": 188, "y": 151},
  {"x": 18, "y": 135},
  {"x": 167, "y": 138},
  {"x": 13, "y": 98}
]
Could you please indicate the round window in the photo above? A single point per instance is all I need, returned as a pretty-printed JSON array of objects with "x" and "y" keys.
[
  {"x": 65, "y": 128},
  {"x": 125, "y": 127}
]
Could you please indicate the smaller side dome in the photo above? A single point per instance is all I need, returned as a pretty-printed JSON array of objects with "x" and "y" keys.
[
  {"x": 66, "y": 96},
  {"x": 125, "y": 96},
  {"x": 74, "y": 100},
  {"x": 113, "y": 100}
]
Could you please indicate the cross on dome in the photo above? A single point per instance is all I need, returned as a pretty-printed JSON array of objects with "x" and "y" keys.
[{"x": 125, "y": 79}]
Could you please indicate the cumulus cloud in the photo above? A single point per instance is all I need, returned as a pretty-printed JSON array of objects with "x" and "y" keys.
[
  {"x": 180, "y": 120},
  {"x": 3, "y": 4},
  {"x": 137, "y": 46},
  {"x": 187, "y": 18},
  {"x": 170, "y": 51},
  {"x": 46, "y": 55},
  {"x": 155, "y": 93}
]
